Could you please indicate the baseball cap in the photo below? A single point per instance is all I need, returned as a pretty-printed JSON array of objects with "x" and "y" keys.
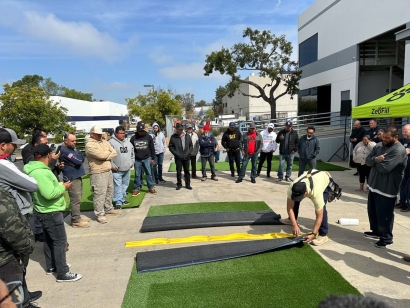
[
  {"x": 140, "y": 127},
  {"x": 207, "y": 127},
  {"x": 96, "y": 130},
  {"x": 298, "y": 191},
  {"x": 288, "y": 123},
  {"x": 178, "y": 125},
  {"x": 252, "y": 125},
  {"x": 232, "y": 124},
  {"x": 271, "y": 125},
  {"x": 41, "y": 150},
  {"x": 8, "y": 135},
  {"x": 188, "y": 125}
]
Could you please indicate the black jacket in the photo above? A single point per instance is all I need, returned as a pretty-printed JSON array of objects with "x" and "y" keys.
[
  {"x": 358, "y": 134},
  {"x": 293, "y": 141},
  {"x": 373, "y": 134},
  {"x": 175, "y": 147},
  {"x": 143, "y": 146},
  {"x": 231, "y": 140}
]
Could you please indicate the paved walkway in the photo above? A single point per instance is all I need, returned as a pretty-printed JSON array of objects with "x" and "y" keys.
[{"x": 98, "y": 253}]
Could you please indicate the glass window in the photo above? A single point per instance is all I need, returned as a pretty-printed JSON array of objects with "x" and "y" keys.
[{"x": 308, "y": 50}]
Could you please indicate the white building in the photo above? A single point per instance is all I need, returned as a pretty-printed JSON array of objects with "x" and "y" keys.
[
  {"x": 352, "y": 50},
  {"x": 84, "y": 114},
  {"x": 249, "y": 107}
]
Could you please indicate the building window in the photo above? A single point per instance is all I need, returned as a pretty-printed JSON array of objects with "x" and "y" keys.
[
  {"x": 307, "y": 101},
  {"x": 308, "y": 50}
]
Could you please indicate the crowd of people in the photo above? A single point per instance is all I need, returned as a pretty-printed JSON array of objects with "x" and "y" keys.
[{"x": 380, "y": 157}]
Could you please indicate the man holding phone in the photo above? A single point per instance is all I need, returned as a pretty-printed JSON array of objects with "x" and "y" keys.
[{"x": 73, "y": 171}]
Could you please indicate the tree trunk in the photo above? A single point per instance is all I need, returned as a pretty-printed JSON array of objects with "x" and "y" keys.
[{"x": 272, "y": 109}]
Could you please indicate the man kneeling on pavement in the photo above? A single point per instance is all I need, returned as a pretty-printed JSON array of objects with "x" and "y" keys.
[{"x": 313, "y": 184}]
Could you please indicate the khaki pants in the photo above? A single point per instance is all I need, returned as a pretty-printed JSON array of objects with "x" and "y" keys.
[
  {"x": 76, "y": 193},
  {"x": 103, "y": 189}
]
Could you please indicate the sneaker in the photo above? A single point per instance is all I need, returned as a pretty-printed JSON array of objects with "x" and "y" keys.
[
  {"x": 178, "y": 187},
  {"x": 214, "y": 178},
  {"x": 102, "y": 219},
  {"x": 203, "y": 178},
  {"x": 289, "y": 180},
  {"x": 68, "y": 277},
  {"x": 382, "y": 245},
  {"x": 162, "y": 181},
  {"x": 125, "y": 203},
  {"x": 371, "y": 234},
  {"x": 320, "y": 240},
  {"x": 405, "y": 209},
  {"x": 188, "y": 187},
  {"x": 253, "y": 180},
  {"x": 398, "y": 205},
  {"x": 135, "y": 193},
  {"x": 406, "y": 258},
  {"x": 356, "y": 174},
  {"x": 279, "y": 180},
  {"x": 233, "y": 174},
  {"x": 34, "y": 295},
  {"x": 114, "y": 212},
  {"x": 238, "y": 181},
  {"x": 286, "y": 221},
  {"x": 153, "y": 191},
  {"x": 80, "y": 224},
  {"x": 53, "y": 270},
  {"x": 31, "y": 305}
]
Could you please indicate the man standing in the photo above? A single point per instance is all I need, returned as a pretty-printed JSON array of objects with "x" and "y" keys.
[
  {"x": 73, "y": 171},
  {"x": 314, "y": 185},
  {"x": 308, "y": 148},
  {"x": 19, "y": 185},
  {"x": 99, "y": 154},
  {"x": 49, "y": 204},
  {"x": 251, "y": 144},
  {"x": 121, "y": 165},
  {"x": 208, "y": 147},
  {"x": 180, "y": 145},
  {"x": 268, "y": 147},
  {"x": 388, "y": 160},
  {"x": 27, "y": 149},
  {"x": 160, "y": 146},
  {"x": 372, "y": 132},
  {"x": 405, "y": 183},
  {"x": 231, "y": 141},
  {"x": 358, "y": 132},
  {"x": 195, "y": 147},
  {"x": 288, "y": 144},
  {"x": 144, "y": 159}
]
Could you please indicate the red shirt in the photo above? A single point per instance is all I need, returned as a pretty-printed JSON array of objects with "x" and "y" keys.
[{"x": 251, "y": 143}]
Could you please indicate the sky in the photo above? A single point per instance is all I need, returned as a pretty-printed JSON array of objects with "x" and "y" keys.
[{"x": 113, "y": 48}]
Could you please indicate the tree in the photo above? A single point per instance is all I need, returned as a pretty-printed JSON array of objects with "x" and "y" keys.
[
  {"x": 266, "y": 53},
  {"x": 31, "y": 81},
  {"x": 217, "y": 104},
  {"x": 187, "y": 101},
  {"x": 71, "y": 93},
  {"x": 201, "y": 103},
  {"x": 210, "y": 113},
  {"x": 25, "y": 108},
  {"x": 51, "y": 88},
  {"x": 154, "y": 106}
]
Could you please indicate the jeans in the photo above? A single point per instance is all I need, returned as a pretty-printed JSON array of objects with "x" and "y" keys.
[
  {"x": 193, "y": 165},
  {"x": 209, "y": 159},
  {"x": 55, "y": 241},
  {"x": 268, "y": 156},
  {"x": 380, "y": 210},
  {"x": 76, "y": 193},
  {"x": 157, "y": 168},
  {"x": 121, "y": 182},
  {"x": 289, "y": 163},
  {"x": 145, "y": 165},
  {"x": 303, "y": 162},
  {"x": 254, "y": 161},
  {"x": 217, "y": 153},
  {"x": 234, "y": 156},
  {"x": 182, "y": 164}
]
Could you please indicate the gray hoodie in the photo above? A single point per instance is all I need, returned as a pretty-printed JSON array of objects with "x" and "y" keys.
[
  {"x": 125, "y": 154},
  {"x": 160, "y": 143},
  {"x": 19, "y": 184}
]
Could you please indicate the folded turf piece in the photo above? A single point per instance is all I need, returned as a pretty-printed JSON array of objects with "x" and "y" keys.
[
  {"x": 206, "y": 220},
  {"x": 177, "y": 257}
]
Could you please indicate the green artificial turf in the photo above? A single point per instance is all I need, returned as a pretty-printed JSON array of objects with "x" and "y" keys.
[
  {"x": 224, "y": 166},
  {"x": 294, "y": 277},
  {"x": 87, "y": 200},
  {"x": 206, "y": 207}
]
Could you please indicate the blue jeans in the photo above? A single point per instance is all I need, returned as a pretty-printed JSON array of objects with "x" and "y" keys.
[
  {"x": 157, "y": 168},
  {"x": 216, "y": 154},
  {"x": 121, "y": 182},
  {"x": 254, "y": 160},
  {"x": 145, "y": 165},
  {"x": 303, "y": 162},
  {"x": 289, "y": 163}
]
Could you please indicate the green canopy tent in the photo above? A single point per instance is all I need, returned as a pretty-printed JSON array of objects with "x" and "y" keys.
[{"x": 392, "y": 105}]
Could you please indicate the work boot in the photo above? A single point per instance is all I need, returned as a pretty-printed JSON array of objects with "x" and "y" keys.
[
  {"x": 102, "y": 219},
  {"x": 135, "y": 193},
  {"x": 114, "y": 212},
  {"x": 80, "y": 224},
  {"x": 320, "y": 240}
]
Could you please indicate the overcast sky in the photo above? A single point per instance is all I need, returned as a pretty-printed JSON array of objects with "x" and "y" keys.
[{"x": 112, "y": 48}]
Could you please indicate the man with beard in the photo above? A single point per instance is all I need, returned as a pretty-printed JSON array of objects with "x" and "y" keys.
[{"x": 388, "y": 160}]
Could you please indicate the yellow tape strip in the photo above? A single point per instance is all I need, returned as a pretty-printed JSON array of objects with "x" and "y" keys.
[{"x": 205, "y": 238}]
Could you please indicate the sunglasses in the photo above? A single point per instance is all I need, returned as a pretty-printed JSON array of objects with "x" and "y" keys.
[{"x": 15, "y": 291}]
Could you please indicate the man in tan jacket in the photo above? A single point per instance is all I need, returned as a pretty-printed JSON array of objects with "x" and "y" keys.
[{"x": 99, "y": 154}]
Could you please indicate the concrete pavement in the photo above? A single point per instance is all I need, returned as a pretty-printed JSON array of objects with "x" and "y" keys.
[{"x": 98, "y": 252}]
